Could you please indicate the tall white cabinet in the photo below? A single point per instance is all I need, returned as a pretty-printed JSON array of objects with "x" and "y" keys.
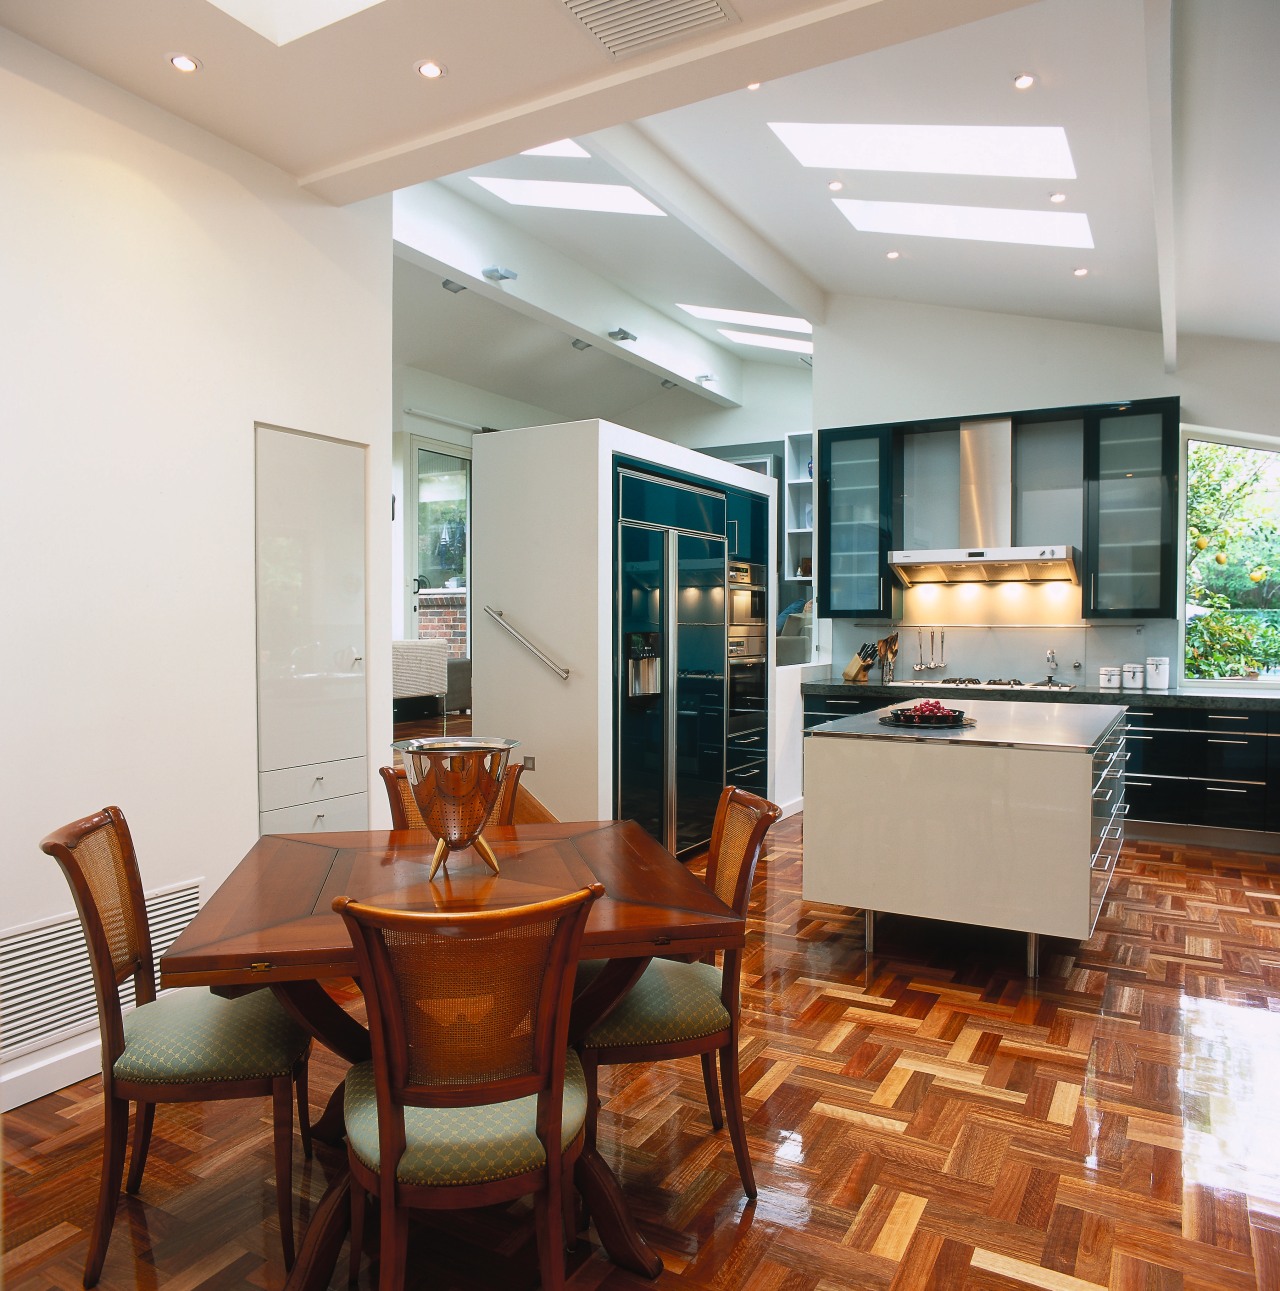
[{"x": 311, "y": 634}]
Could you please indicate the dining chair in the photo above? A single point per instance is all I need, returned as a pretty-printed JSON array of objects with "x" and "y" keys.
[
  {"x": 472, "y": 1096},
  {"x": 677, "y": 1008},
  {"x": 404, "y": 809},
  {"x": 186, "y": 1046}
]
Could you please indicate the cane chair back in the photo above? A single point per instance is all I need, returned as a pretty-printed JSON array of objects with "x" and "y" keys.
[
  {"x": 404, "y": 807},
  {"x": 468, "y": 1020},
  {"x": 188, "y": 1046}
]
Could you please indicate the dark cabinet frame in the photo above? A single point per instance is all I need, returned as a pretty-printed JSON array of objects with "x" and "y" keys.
[{"x": 1165, "y": 607}]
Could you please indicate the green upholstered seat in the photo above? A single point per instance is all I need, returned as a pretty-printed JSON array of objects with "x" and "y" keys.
[
  {"x": 194, "y": 1036},
  {"x": 449, "y": 1146},
  {"x": 671, "y": 1001}
]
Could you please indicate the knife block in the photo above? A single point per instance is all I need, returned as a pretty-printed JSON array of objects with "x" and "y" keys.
[{"x": 856, "y": 670}]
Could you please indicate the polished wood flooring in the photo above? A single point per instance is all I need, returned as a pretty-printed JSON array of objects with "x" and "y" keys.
[{"x": 932, "y": 1121}]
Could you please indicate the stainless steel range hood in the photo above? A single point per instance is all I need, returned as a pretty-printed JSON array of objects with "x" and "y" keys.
[{"x": 986, "y": 553}]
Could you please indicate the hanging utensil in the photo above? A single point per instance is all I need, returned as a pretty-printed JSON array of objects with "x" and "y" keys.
[
  {"x": 932, "y": 665},
  {"x": 919, "y": 667},
  {"x": 942, "y": 650}
]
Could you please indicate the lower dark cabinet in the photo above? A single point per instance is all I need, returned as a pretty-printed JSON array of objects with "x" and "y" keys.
[{"x": 823, "y": 708}]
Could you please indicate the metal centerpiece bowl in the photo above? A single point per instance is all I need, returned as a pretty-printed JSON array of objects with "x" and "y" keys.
[{"x": 455, "y": 783}]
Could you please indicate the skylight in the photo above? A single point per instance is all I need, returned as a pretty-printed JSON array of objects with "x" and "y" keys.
[
  {"x": 768, "y": 342},
  {"x": 781, "y": 322},
  {"x": 616, "y": 199},
  {"x": 282, "y": 21},
  {"x": 977, "y": 223},
  {"x": 561, "y": 148},
  {"x": 1031, "y": 152}
]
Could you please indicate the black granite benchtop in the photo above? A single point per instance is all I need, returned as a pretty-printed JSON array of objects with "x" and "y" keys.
[{"x": 1220, "y": 699}]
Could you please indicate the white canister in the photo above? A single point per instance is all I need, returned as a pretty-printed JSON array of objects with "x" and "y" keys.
[
  {"x": 1108, "y": 678},
  {"x": 1132, "y": 676},
  {"x": 1157, "y": 673}
]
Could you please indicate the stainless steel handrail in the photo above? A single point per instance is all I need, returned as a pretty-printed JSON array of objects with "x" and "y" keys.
[{"x": 496, "y": 616}]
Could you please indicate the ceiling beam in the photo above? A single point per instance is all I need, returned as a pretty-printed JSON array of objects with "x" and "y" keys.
[
  {"x": 632, "y": 152},
  {"x": 628, "y": 89},
  {"x": 1159, "y": 40}
]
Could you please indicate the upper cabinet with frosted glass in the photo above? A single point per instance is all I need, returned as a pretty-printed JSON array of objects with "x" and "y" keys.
[
  {"x": 855, "y": 500},
  {"x": 1131, "y": 490}
]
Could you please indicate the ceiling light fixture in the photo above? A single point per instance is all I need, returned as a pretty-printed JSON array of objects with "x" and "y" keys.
[
  {"x": 1016, "y": 152},
  {"x": 755, "y": 85},
  {"x": 779, "y": 322},
  {"x": 621, "y": 334},
  {"x": 579, "y": 344},
  {"x": 973, "y": 223},
  {"x": 1080, "y": 273},
  {"x": 496, "y": 273},
  {"x": 705, "y": 377},
  {"x": 892, "y": 255},
  {"x": 430, "y": 70},
  {"x": 1023, "y": 81},
  {"x": 614, "y": 199},
  {"x": 184, "y": 62},
  {"x": 765, "y": 342},
  {"x": 1057, "y": 197},
  {"x": 561, "y": 148},
  {"x": 449, "y": 285},
  {"x": 835, "y": 185},
  {"x": 667, "y": 384}
]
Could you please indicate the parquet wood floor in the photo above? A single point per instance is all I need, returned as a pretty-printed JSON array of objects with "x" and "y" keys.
[{"x": 937, "y": 1124}]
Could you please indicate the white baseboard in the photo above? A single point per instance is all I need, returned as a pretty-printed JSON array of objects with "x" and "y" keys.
[
  {"x": 49, "y": 1069},
  {"x": 792, "y": 807}
]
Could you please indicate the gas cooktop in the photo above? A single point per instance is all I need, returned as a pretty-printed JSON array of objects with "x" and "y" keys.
[{"x": 992, "y": 683}]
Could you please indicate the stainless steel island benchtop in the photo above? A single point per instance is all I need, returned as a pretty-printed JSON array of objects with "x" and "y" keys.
[
  {"x": 1015, "y": 822},
  {"x": 1003, "y": 722}
]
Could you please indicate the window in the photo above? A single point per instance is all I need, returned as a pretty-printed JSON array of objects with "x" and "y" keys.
[
  {"x": 1231, "y": 579},
  {"x": 439, "y": 531}
]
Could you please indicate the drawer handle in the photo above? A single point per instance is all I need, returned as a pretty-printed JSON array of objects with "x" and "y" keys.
[
  {"x": 1244, "y": 742},
  {"x": 1213, "y": 788},
  {"x": 1225, "y": 717},
  {"x": 1132, "y": 736},
  {"x": 1138, "y": 784}
]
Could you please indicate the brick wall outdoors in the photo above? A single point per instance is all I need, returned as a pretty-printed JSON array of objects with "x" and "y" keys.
[{"x": 442, "y": 615}]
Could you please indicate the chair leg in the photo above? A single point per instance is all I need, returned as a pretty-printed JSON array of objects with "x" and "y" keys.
[
  {"x": 115, "y": 1133},
  {"x": 713, "y": 1090},
  {"x": 358, "y": 1199},
  {"x": 282, "y": 1119},
  {"x": 547, "y": 1212},
  {"x": 144, "y": 1114},
  {"x": 733, "y": 1109},
  {"x": 304, "y": 1107},
  {"x": 393, "y": 1243},
  {"x": 591, "y": 1074}
]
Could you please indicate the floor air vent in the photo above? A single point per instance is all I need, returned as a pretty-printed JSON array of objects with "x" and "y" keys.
[
  {"x": 46, "y": 986},
  {"x": 628, "y": 26}
]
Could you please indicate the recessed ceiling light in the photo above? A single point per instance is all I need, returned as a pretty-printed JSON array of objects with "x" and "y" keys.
[
  {"x": 835, "y": 185},
  {"x": 1023, "y": 81},
  {"x": 755, "y": 85},
  {"x": 561, "y": 148},
  {"x": 976, "y": 223},
  {"x": 768, "y": 342},
  {"x": 1057, "y": 197},
  {"x": 1019, "y": 152},
  {"x": 780, "y": 322},
  {"x": 184, "y": 62},
  {"x": 892, "y": 255},
  {"x": 430, "y": 70},
  {"x": 615, "y": 199},
  {"x": 1080, "y": 273}
]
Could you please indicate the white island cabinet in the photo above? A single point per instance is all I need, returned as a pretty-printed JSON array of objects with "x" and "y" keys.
[{"x": 1012, "y": 822}]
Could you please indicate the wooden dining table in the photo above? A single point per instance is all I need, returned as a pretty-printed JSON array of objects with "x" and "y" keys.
[{"x": 271, "y": 923}]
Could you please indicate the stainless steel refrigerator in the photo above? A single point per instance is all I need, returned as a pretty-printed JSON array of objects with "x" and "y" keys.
[{"x": 670, "y": 646}]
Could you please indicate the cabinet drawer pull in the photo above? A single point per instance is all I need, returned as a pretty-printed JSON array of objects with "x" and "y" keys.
[
  {"x": 1244, "y": 742},
  {"x": 1226, "y": 717},
  {"x": 1213, "y": 788},
  {"x": 1132, "y": 736},
  {"x": 1139, "y": 784}
]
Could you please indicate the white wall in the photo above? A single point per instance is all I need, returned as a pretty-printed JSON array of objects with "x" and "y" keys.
[
  {"x": 877, "y": 360},
  {"x": 162, "y": 292}
]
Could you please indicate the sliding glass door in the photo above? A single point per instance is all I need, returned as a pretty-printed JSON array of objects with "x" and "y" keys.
[{"x": 440, "y": 544}]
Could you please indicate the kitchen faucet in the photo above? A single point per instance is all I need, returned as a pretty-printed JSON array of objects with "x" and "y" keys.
[{"x": 1051, "y": 659}]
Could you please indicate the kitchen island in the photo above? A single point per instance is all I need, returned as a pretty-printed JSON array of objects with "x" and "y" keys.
[{"x": 1012, "y": 822}]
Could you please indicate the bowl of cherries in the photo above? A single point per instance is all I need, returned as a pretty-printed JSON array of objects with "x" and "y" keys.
[{"x": 927, "y": 712}]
